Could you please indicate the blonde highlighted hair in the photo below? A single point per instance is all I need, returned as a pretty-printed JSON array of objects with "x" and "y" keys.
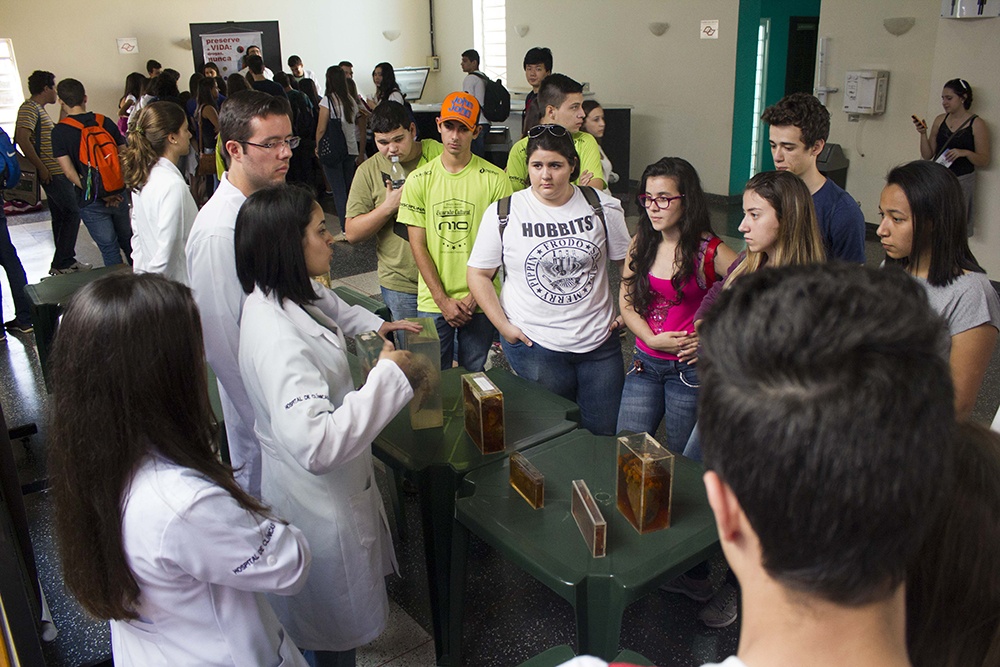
[
  {"x": 798, "y": 240},
  {"x": 147, "y": 140}
]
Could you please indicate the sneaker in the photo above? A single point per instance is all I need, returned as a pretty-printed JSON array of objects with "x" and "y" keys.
[
  {"x": 16, "y": 326},
  {"x": 722, "y": 609},
  {"x": 699, "y": 590},
  {"x": 72, "y": 268}
]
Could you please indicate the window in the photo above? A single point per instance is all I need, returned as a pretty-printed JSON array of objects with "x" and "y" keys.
[
  {"x": 757, "y": 142},
  {"x": 489, "y": 22},
  {"x": 10, "y": 87}
]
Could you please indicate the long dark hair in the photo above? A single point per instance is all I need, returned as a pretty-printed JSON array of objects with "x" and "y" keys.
[
  {"x": 694, "y": 224},
  {"x": 938, "y": 216},
  {"x": 308, "y": 86},
  {"x": 336, "y": 84},
  {"x": 134, "y": 84},
  {"x": 129, "y": 382},
  {"x": 388, "y": 85},
  {"x": 269, "y": 230},
  {"x": 205, "y": 87},
  {"x": 588, "y": 106}
]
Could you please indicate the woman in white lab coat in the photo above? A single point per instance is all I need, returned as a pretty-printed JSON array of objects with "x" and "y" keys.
[
  {"x": 163, "y": 209},
  {"x": 153, "y": 530},
  {"x": 315, "y": 431}
]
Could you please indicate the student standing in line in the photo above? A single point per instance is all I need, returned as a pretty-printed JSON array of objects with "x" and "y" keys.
[
  {"x": 555, "y": 313},
  {"x": 374, "y": 202},
  {"x": 475, "y": 85},
  {"x": 443, "y": 204},
  {"x": 33, "y": 134},
  {"x": 157, "y": 536},
  {"x": 163, "y": 210},
  {"x": 560, "y": 101},
  {"x": 799, "y": 128},
  {"x": 106, "y": 216},
  {"x": 923, "y": 231},
  {"x": 315, "y": 430},
  {"x": 339, "y": 106},
  {"x": 537, "y": 66},
  {"x": 593, "y": 123},
  {"x": 673, "y": 261}
]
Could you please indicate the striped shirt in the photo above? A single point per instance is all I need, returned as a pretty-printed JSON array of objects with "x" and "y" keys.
[{"x": 27, "y": 118}]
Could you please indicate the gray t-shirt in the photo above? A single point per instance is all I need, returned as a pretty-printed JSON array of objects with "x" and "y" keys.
[{"x": 965, "y": 303}]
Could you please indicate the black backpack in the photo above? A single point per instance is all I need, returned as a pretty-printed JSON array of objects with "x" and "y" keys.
[{"x": 496, "y": 108}]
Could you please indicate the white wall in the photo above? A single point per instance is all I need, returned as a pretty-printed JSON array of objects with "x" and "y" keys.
[
  {"x": 681, "y": 87},
  {"x": 61, "y": 38},
  {"x": 919, "y": 63}
]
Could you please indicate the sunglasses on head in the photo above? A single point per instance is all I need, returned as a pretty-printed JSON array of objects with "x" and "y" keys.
[{"x": 554, "y": 130}]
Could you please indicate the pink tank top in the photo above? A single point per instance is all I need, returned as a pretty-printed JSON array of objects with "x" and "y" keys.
[{"x": 666, "y": 315}]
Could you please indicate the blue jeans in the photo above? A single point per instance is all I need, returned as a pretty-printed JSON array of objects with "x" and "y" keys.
[
  {"x": 65, "y": 220},
  {"x": 401, "y": 304},
  {"x": 474, "y": 340},
  {"x": 339, "y": 178},
  {"x": 692, "y": 449},
  {"x": 593, "y": 380},
  {"x": 110, "y": 228},
  {"x": 15, "y": 274},
  {"x": 665, "y": 389}
]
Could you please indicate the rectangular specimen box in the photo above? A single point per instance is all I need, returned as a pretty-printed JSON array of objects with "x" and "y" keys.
[
  {"x": 483, "y": 404},
  {"x": 527, "y": 481},
  {"x": 425, "y": 408},
  {"x": 645, "y": 482},
  {"x": 369, "y": 345},
  {"x": 588, "y": 517}
]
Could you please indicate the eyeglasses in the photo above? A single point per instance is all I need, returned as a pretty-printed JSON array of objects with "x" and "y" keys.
[
  {"x": 554, "y": 130},
  {"x": 663, "y": 202},
  {"x": 291, "y": 142}
]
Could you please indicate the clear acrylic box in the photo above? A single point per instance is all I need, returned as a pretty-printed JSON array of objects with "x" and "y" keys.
[
  {"x": 425, "y": 408},
  {"x": 589, "y": 519},
  {"x": 645, "y": 482},
  {"x": 527, "y": 481},
  {"x": 369, "y": 345},
  {"x": 482, "y": 402}
]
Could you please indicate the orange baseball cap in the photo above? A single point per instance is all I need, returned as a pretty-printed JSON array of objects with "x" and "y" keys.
[{"x": 462, "y": 107}]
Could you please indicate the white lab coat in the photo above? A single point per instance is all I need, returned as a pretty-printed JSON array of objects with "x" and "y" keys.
[
  {"x": 202, "y": 562},
  {"x": 163, "y": 212},
  {"x": 315, "y": 433}
]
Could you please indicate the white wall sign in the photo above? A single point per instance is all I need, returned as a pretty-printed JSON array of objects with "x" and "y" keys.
[
  {"x": 127, "y": 46},
  {"x": 226, "y": 49},
  {"x": 710, "y": 29}
]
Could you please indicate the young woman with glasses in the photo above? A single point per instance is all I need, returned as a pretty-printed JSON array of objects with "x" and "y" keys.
[
  {"x": 673, "y": 261},
  {"x": 555, "y": 313}
]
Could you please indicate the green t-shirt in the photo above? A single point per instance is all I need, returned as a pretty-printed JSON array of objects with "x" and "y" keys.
[
  {"x": 396, "y": 269},
  {"x": 450, "y": 207},
  {"x": 586, "y": 148}
]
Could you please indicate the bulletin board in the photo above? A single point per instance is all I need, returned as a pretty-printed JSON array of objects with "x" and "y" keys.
[{"x": 269, "y": 36}]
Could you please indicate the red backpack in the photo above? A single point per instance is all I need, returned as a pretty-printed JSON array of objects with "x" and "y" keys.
[{"x": 99, "y": 157}]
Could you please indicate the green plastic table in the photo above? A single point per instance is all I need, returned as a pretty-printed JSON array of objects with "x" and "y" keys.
[
  {"x": 47, "y": 299},
  {"x": 438, "y": 458},
  {"x": 547, "y": 544}
]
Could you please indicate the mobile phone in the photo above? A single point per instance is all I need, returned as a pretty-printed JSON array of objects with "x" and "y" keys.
[{"x": 922, "y": 123}]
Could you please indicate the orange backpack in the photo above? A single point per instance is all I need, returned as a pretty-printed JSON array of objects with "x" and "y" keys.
[{"x": 99, "y": 156}]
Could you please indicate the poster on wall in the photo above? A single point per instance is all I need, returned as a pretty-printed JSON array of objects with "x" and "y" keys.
[
  {"x": 226, "y": 50},
  {"x": 970, "y": 9}
]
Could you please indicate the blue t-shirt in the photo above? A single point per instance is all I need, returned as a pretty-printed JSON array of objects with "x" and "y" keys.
[{"x": 841, "y": 223}]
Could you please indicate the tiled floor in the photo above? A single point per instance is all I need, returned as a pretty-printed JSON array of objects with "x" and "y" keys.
[{"x": 509, "y": 617}]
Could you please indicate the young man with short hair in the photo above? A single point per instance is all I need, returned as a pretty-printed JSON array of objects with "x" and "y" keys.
[
  {"x": 825, "y": 433},
  {"x": 258, "y": 81},
  {"x": 107, "y": 218},
  {"x": 299, "y": 71},
  {"x": 800, "y": 126},
  {"x": 373, "y": 204},
  {"x": 153, "y": 68},
  {"x": 560, "y": 99},
  {"x": 475, "y": 84},
  {"x": 33, "y": 133},
  {"x": 256, "y": 133},
  {"x": 537, "y": 66},
  {"x": 443, "y": 203},
  {"x": 254, "y": 50}
]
